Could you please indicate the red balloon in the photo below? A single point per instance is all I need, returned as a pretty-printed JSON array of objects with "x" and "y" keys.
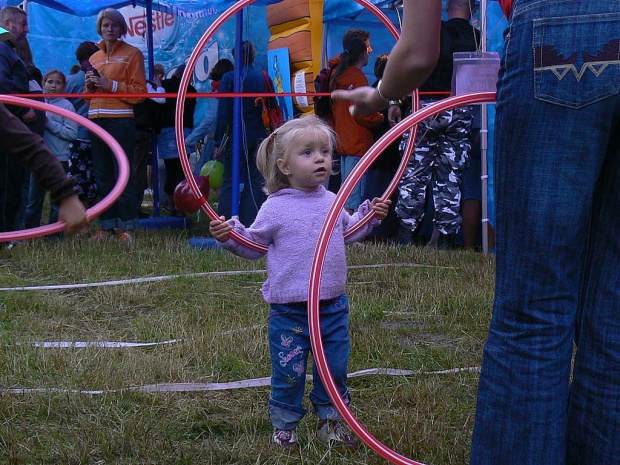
[{"x": 184, "y": 198}]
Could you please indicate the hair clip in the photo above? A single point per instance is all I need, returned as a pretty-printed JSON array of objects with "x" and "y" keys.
[{"x": 272, "y": 136}]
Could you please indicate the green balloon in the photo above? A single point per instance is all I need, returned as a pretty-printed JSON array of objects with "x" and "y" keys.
[{"x": 214, "y": 170}]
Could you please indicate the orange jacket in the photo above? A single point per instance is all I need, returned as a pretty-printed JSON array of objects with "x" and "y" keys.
[
  {"x": 354, "y": 134},
  {"x": 124, "y": 69}
]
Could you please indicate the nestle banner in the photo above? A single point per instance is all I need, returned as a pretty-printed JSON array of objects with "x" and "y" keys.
[{"x": 55, "y": 35}]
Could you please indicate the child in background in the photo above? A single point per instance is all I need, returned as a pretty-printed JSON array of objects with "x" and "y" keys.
[
  {"x": 60, "y": 132},
  {"x": 296, "y": 162}
]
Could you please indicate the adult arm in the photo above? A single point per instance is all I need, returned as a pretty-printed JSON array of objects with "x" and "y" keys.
[
  {"x": 412, "y": 59},
  {"x": 21, "y": 144}
]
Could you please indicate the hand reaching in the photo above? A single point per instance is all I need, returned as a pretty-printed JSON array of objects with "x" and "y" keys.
[
  {"x": 220, "y": 229},
  {"x": 380, "y": 207},
  {"x": 73, "y": 213},
  {"x": 365, "y": 100}
]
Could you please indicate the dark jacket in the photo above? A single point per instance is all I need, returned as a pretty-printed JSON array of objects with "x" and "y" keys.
[
  {"x": 252, "y": 118},
  {"x": 168, "y": 109},
  {"x": 23, "y": 146},
  {"x": 13, "y": 76}
]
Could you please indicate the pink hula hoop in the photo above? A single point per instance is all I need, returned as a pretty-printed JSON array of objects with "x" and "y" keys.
[
  {"x": 319, "y": 258},
  {"x": 185, "y": 79},
  {"x": 106, "y": 202}
]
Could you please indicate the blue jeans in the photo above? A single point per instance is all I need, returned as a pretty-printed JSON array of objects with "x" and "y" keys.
[
  {"x": 557, "y": 171},
  {"x": 124, "y": 213},
  {"x": 358, "y": 194},
  {"x": 289, "y": 345},
  {"x": 36, "y": 198}
]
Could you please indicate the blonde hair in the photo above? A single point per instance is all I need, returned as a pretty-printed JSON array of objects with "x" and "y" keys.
[
  {"x": 60, "y": 74},
  {"x": 280, "y": 144},
  {"x": 113, "y": 15}
]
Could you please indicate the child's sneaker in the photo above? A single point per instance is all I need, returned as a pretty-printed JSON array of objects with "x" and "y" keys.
[
  {"x": 337, "y": 434},
  {"x": 285, "y": 437}
]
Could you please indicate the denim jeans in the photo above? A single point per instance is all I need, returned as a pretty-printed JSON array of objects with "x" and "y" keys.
[
  {"x": 358, "y": 194},
  {"x": 36, "y": 198},
  {"x": 124, "y": 213},
  {"x": 557, "y": 180},
  {"x": 289, "y": 344}
]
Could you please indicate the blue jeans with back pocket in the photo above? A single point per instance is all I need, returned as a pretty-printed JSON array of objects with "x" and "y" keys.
[{"x": 557, "y": 180}]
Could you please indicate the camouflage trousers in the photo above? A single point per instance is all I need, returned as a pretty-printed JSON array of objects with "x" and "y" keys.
[{"x": 439, "y": 159}]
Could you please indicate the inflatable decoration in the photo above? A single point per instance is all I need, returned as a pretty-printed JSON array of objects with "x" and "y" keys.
[
  {"x": 184, "y": 198},
  {"x": 214, "y": 170}
]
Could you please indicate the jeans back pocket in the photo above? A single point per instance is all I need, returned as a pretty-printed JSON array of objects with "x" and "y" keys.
[{"x": 576, "y": 59}]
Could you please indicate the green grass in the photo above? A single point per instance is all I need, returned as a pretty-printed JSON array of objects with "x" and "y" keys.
[{"x": 426, "y": 318}]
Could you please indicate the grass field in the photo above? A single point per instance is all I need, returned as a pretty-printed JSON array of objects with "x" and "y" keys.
[{"x": 429, "y": 317}]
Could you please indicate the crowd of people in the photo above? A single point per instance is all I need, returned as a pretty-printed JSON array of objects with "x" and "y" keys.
[{"x": 112, "y": 66}]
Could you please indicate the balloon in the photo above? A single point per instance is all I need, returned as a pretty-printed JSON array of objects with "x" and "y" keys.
[
  {"x": 215, "y": 170},
  {"x": 184, "y": 198}
]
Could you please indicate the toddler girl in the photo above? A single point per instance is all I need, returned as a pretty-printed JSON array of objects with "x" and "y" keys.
[
  {"x": 296, "y": 162},
  {"x": 60, "y": 132}
]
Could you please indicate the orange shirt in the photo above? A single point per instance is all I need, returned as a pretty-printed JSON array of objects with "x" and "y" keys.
[
  {"x": 124, "y": 69},
  {"x": 355, "y": 135}
]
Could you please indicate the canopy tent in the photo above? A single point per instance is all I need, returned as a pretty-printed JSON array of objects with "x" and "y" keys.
[{"x": 173, "y": 41}]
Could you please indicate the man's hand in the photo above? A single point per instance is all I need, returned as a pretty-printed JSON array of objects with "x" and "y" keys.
[{"x": 73, "y": 213}]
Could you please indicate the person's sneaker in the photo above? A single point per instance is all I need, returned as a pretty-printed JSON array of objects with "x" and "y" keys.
[
  {"x": 125, "y": 238},
  {"x": 337, "y": 434},
  {"x": 285, "y": 437}
]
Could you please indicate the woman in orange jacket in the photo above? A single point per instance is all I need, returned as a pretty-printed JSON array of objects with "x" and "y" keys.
[
  {"x": 355, "y": 134},
  {"x": 117, "y": 68}
]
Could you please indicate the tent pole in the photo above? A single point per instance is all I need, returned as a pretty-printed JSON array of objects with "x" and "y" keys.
[
  {"x": 484, "y": 137},
  {"x": 237, "y": 116},
  {"x": 151, "y": 62}
]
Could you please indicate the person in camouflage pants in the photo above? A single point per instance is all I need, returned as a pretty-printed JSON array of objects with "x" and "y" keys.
[
  {"x": 444, "y": 141},
  {"x": 440, "y": 157}
]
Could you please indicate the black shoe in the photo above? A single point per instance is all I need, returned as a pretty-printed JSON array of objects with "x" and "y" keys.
[
  {"x": 404, "y": 236},
  {"x": 445, "y": 242}
]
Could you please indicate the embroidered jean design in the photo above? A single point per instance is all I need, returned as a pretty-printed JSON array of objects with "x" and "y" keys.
[
  {"x": 576, "y": 59},
  {"x": 299, "y": 368},
  {"x": 550, "y": 59},
  {"x": 286, "y": 340},
  {"x": 285, "y": 358}
]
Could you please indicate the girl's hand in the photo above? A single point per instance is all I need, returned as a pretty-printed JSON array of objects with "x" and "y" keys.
[
  {"x": 220, "y": 229},
  {"x": 380, "y": 207}
]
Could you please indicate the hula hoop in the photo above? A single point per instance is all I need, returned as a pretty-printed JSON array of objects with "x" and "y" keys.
[
  {"x": 106, "y": 202},
  {"x": 319, "y": 258},
  {"x": 185, "y": 79}
]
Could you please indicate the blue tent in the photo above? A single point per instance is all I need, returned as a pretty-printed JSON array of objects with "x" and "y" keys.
[{"x": 49, "y": 18}]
